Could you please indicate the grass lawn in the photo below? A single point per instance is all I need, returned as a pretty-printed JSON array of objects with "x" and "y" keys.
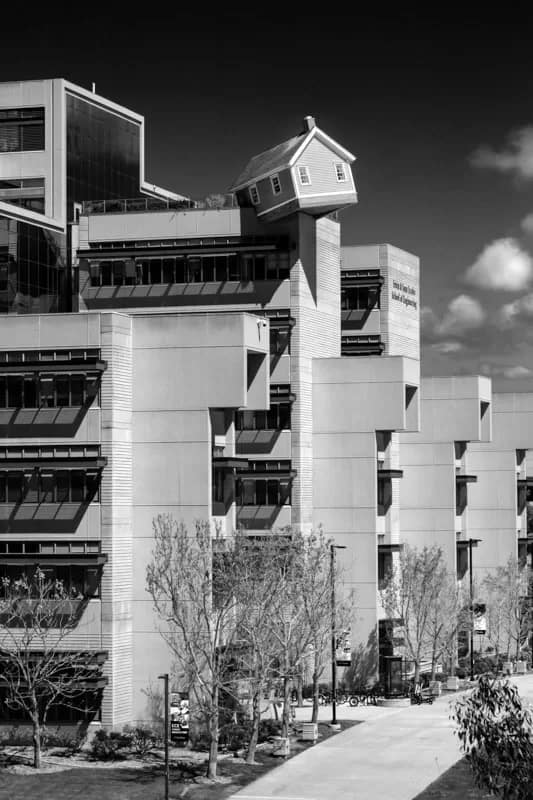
[
  {"x": 457, "y": 783},
  {"x": 120, "y": 783}
]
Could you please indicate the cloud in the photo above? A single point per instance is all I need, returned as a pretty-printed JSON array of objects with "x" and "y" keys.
[
  {"x": 523, "y": 307},
  {"x": 527, "y": 224},
  {"x": 517, "y": 372},
  {"x": 501, "y": 265},
  {"x": 463, "y": 314},
  {"x": 447, "y": 347},
  {"x": 516, "y": 158}
]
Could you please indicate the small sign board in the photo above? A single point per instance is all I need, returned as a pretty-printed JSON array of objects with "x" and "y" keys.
[
  {"x": 179, "y": 720},
  {"x": 341, "y": 662}
]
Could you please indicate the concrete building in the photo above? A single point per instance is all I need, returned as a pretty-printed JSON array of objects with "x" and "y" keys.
[
  {"x": 180, "y": 370},
  {"x": 162, "y": 354}
]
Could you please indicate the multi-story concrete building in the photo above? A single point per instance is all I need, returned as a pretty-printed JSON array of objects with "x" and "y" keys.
[
  {"x": 198, "y": 338},
  {"x": 196, "y": 364}
]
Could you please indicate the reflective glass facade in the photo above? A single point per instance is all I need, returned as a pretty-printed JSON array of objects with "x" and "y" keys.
[
  {"x": 103, "y": 152},
  {"x": 32, "y": 269}
]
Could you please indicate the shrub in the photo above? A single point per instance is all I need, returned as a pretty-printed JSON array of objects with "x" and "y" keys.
[
  {"x": 70, "y": 740},
  {"x": 17, "y": 735},
  {"x": 110, "y": 745},
  {"x": 268, "y": 728},
  {"x": 143, "y": 739},
  {"x": 234, "y": 736},
  {"x": 496, "y": 734}
]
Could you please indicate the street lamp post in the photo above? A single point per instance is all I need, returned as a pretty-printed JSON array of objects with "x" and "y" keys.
[
  {"x": 471, "y": 543},
  {"x": 334, "y": 722},
  {"x": 165, "y": 679}
]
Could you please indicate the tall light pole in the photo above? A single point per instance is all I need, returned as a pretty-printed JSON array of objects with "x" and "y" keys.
[
  {"x": 471, "y": 543},
  {"x": 165, "y": 679},
  {"x": 334, "y": 722}
]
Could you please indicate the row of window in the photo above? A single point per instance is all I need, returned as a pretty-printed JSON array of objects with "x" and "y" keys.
[
  {"x": 72, "y": 486},
  {"x": 86, "y": 709},
  {"x": 21, "y": 129},
  {"x": 191, "y": 269},
  {"x": 277, "y": 418},
  {"x": 304, "y": 176},
  {"x": 28, "y": 391},
  {"x": 78, "y": 581},
  {"x": 32, "y": 356},
  {"x": 360, "y": 298},
  {"x": 271, "y": 492}
]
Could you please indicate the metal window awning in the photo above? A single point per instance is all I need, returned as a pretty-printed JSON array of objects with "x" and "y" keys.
[
  {"x": 63, "y": 367},
  {"x": 463, "y": 544},
  {"x": 390, "y": 548},
  {"x": 55, "y": 559},
  {"x": 230, "y": 463},
  {"x": 166, "y": 250},
  {"x": 281, "y": 322},
  {"x": 286, "y": 475},
  {"x": 52, "y": 464},
  {"x": 290, "y": 397},
  {"x": 466, "y": 478},
  {"x": 387, "y": 474},
  {"x": 370, "y": 282}
]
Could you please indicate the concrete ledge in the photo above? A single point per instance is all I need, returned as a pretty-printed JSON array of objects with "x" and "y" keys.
[{"x": 394, "y": 702}]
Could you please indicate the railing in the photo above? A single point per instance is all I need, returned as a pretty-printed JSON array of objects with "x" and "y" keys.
[{"x": 136, "y": 204}]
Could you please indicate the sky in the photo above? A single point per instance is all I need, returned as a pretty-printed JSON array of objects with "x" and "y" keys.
[{"x": 436, "y": 106}]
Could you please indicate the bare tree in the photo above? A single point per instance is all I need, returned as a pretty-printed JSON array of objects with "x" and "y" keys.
[
  {"x": 316, "y": 590},
  {"x": 412, "y": 594},
  {"x": 38, "y": 670},
  {"x": 262, "y": 571},
  {"x": 509, "y": 613},
  {"x": 191, "y": 581},
  {"x": 447, "y": 617}
]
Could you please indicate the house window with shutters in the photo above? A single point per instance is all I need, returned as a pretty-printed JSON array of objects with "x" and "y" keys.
[
  {"x": 304, "y": 176},
  {"x": 254, "y": 194},
  {"x": 340, "y": 172},
  {"x": 276, "y": 184}
]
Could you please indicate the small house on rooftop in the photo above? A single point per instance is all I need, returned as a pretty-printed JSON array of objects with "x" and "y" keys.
[{"x": 310, "y": 172}]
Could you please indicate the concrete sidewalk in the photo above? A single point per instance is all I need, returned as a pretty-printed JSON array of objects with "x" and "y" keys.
[{"x": 393, "y": 755}]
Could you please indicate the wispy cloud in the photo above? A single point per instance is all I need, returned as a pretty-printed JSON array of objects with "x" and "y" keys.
[
  {"x": 527, "y": 224},
  {"x": 502, "y": 265},
  {"x": 446, "y": 347},
  {"x": 517, "y": 371},
  {"x": 522, "y": 307},
  {"x": 516, "y": 158},
  {"x": 464, "y": 313}
]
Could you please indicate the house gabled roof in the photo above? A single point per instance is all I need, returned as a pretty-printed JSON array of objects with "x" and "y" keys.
[{"x": 284, "y": 155}]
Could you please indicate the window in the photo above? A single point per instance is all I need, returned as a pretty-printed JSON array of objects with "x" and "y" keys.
[
  {"x": 360, "y": 298},
  {"x": 21, "y": 129},
  {"x": 303, "y": 175},
  {"x": 46, "y": 392},
  {"x": 271, "y": 492},
  {"x": 275, "y": 183},
  {"x": 280, "y": 341},
  {"x": 220, "y": 267},
  {"x": 277, "y": 418},
  {"x": 254, "y": 194},
  {"x": 65, "y": 486},
  {"x": 340, "y": 172}
]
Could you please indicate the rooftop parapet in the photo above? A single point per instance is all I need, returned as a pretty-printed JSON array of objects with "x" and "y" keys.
[{"x": 212, "y": 202}]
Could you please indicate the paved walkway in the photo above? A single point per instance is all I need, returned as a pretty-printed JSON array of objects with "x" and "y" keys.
[{"x": 394, "y": 755}]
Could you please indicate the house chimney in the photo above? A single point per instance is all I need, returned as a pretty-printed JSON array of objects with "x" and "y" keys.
[
  {"x": 94, "y": 88},
  {"x": 309, "y": 123}
]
